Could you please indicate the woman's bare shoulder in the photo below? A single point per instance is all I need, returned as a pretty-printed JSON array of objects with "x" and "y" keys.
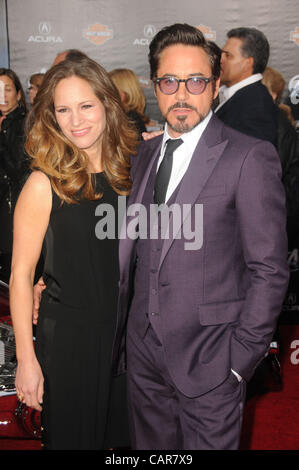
[
  {"x": 38, "y": 177},
  {"x": 37, "y": 182},
  {"x": 37, "y": 190}
]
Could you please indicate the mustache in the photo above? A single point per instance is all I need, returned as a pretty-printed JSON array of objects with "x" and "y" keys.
[{"x": 181, "y": 104}]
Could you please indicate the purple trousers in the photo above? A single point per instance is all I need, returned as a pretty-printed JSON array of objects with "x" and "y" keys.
[{"x": 162, "y": 418}]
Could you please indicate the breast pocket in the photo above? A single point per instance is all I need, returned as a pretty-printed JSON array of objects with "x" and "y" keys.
[{"x": 213, "y": 192}]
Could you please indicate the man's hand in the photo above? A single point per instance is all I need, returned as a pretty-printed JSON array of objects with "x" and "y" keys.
[{"x": 37, "y": 293}]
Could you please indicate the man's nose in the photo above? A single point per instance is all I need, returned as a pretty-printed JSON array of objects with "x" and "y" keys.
[{"x": 182, "y": 92}]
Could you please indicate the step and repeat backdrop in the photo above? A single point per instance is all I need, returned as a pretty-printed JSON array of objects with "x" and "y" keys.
[
  {"x": 117, "y": 33},
  {"x": 4, "y": 61}
]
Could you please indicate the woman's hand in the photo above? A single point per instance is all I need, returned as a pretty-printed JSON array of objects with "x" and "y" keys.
[
  {"x": 151, "y": 135},
  {"x": 30, "y": 384}
]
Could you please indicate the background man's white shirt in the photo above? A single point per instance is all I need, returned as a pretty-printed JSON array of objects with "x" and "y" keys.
[{"x": 225, "y": 93}]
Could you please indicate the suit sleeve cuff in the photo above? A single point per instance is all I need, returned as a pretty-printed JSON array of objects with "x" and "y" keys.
[{"x": 237, "y": 375}]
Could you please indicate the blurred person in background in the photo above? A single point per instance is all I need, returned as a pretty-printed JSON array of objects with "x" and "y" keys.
[
  {"x": 244, "y": 102},
  {"x": 132, "y": 97},
  {"x": 292, "y": 98},
  {"x": 13, "y": 160},
  {"x": 73, "y": 54},
  {"x": 35, "y": 82},
  {"x": 288, "y": 150}
]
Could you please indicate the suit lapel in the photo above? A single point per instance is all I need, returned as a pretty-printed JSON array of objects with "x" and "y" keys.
[
  {"x": 147, "y": 156},
  {"x": 147, "y": 159},
  {"x": 205, "y": 157}
]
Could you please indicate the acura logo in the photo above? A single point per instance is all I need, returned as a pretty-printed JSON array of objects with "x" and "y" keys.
[
  {"x": 149, "y": 31},
  {"x": 44, "y": 27}
]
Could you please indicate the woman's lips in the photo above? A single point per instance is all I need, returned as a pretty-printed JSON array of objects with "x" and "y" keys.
[{"x": 80, "y": 132}]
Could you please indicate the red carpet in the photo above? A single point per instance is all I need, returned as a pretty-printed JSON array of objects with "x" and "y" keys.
[
  {"x": 17, "y": 444},
  {"x": 271, "y": 420}
]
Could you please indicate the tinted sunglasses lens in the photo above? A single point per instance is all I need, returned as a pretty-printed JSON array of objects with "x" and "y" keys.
[
  {"x": 168, "y": 85},
  {"x": 196, "y": 85}
]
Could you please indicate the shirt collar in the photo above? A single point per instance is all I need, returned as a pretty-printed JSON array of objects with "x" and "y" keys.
[{"x": 226, "y": 93}]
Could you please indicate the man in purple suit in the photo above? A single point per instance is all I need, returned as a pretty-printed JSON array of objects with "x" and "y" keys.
[{"x": 199, "y": 313}]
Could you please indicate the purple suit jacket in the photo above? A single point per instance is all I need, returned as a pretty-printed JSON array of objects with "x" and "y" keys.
[{"x": 219, "y": 304}]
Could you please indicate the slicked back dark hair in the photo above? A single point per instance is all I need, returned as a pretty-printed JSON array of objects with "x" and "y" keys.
[
  {"x": 254, "y": 44},
  {"x": 182, "y": 33}
]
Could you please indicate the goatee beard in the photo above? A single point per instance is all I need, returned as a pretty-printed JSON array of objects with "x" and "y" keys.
[{"x": 180, "y": 126}]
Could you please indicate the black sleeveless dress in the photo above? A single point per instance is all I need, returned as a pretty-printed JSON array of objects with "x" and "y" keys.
[{"x": 83, "y": 406}]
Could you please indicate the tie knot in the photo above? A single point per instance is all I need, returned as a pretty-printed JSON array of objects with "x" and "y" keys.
[{"x": 172, "y": 145}]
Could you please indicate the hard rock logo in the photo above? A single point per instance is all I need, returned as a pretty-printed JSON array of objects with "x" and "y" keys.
[
  {"x": 294, "y": 35},
  {"x": 98, "y": 34}
]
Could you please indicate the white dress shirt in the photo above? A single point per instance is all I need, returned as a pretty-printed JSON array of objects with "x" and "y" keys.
[
  {"x": 183, "y": 154},
  {"x": 225, "y": 93}
]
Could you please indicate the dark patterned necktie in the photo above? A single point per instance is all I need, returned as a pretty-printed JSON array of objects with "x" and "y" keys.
[{"x": 164, "y": 172}]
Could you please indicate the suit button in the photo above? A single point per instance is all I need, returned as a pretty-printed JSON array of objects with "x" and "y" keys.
[
  {"x": 154, "y": 291},
  {"x": 154, "y": 314}
]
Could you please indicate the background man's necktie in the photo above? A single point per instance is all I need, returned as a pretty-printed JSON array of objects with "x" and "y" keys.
[{"x": 164, "y": 172}]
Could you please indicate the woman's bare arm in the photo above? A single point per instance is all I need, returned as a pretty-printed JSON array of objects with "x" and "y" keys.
[{"x": 31, "y": 219}]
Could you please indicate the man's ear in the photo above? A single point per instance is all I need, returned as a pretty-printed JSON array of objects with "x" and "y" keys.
[
  {"x": 248, "y": 65},
  {"x": 217, "y": 84}
]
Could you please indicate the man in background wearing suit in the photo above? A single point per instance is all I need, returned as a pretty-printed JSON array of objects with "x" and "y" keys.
[
  {"x": 245, "y": 103},
  {"x": 199, "y": 317}
]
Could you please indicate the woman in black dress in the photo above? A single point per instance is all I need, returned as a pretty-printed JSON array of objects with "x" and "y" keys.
[{"x": 80, "y": 142}]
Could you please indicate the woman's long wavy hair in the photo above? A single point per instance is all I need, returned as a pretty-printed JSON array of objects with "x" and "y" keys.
[{"x": 54, "y": 154}]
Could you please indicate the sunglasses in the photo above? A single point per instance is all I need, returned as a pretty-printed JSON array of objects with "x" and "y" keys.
[{"x": 170, "y": 85}]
